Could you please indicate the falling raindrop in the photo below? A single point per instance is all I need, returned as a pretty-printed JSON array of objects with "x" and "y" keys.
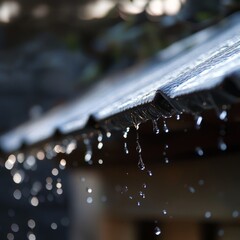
[
  {"x": 142, "y": 194},
  {"x": 54, "y": 226},
  {"x": 199, "y": 151},
  {"x": 18, "y": 176},
  {"x": 157, "y": 231},
  {"x": 100, "y": 138},
  {"x": 100, "y": 161},
  {"x": 165, "y": 128},
  {"x": 149, "y": 173},
  {"x": 31, "y": 223},
  {"x": 235, "y": 214},
  {"x": 222, "y": 145},
  {"x": 89, "y": 200},
  {"x": 31, "y": 236},
  {"x": 40, "y": 155},
  {"x": 62, "y": 164},
  {"x": 198, "y": 122},
  {"x": 88, "y": 154},
  {"x": 164, "y": 211},
  {"x": 144, "y": 185},
  {"x": 138, "y": 204},
  {"x": 89, "y": 190},
  {"x": 191, "y": 189},
  {"x": 155, "y": 127},
  {"x": 15, "y": 227},
  {"x": 223, "y": 115},
  {"x": 34, "y": 201},
  {"x": 55, "y": 171},
  {"x": 10, "y": 236},
  {"x": 208, "y": 214},
  {"x": 178, "y": 117},
  {"x": 71, "y": 146},
  {"x": 108, "y": 134},
  {"x": 17, "y": 194}
]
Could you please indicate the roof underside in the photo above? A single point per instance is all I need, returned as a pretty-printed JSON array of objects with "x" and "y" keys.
[{"x": 200, "y": 72}]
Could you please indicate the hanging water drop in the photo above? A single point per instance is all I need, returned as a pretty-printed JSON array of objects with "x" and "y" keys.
[
  {"x": 155, "y": 127},
  {"x": 125, "y": 135},
  {"x": 157, "y": 231},
  {"x": 141, "y": 164}
]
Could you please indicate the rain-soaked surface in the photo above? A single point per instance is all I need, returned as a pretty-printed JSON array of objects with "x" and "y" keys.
[{"x": 194, "y": 69}]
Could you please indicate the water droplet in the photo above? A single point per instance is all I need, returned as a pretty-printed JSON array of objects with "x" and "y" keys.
[
  {"x": 30, "y": 163},
  {"x": 165, "y": 128},
  {"x": 100, "y": 138},
  {"x": 9, "y": 164},
  {"x": 71, "y": 146},
  {"x": 139, "y": 204},
  {"x": 157, "y": 231},
  {"x": 142, "y": 194},
  {"x": 199, "y": 151},
  {"x": 235, "y": 214},
  {"x": 144, "y": 185},
  {"x": 55, "y": 172},
  {"x": 166, "y": 160},
  {"x": 164, "y": 212},
  {"x": 141, "y": 164},
  {"x": 155, "y": 127},
  {"x": 17, "y": 194},
  {"x": 31, "y": 236},
  {"x": 126, "y": 148},
  {"x": 54, "y": 226},
  {"x": 62, "y": 164},
  {"x": 89, "y": 190},
  {"x": 223, "y": 115},
  {"x": 34, "y": 201},
  {"x": 15, "y": 227},
  {"x": 108, "y": 134},
  {"x": 125, "y": 133},
  {"x": 10, "y": 236},
  {"x": 178, "y": 117},
  {"x": 100, "y": 161},
  {"x": 208, "y": 214},
  {"x": 88, "y": 154},
  {"x": 191, "y": 189},
  {"x": 198, "y": 120},
  {"x": 149, "y": 173},
  {"x": 222, "y": 145},
  {"x": 89, "y": 200},
  {"x": 31, "y": 223},
  {"x": 40, "y": 155},
  {"x": 18, "y": 176}
]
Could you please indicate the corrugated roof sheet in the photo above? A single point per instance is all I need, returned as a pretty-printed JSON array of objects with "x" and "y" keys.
[{"x": 197, "y": 73}]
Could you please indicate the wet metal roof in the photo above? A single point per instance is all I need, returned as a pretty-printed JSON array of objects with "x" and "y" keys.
[{"x": 197, "y": 73}]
